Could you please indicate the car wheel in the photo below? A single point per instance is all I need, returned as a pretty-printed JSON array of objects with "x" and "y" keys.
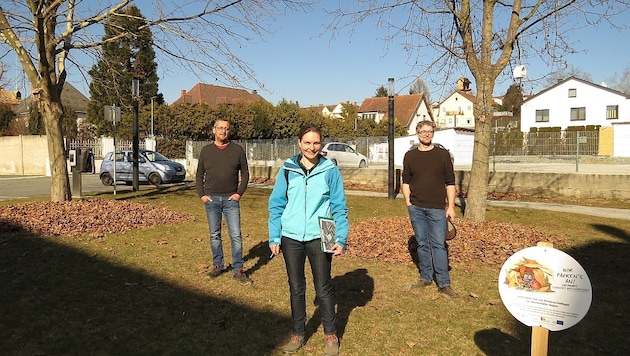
[
  {"x": 334, "y": 161},
  {"x": 362, "y": 164},
  {"x": 107, "y": 179},
  {"x": 155, "y": 179}
]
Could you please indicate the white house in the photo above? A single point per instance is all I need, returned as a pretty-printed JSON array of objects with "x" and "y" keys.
[
  {"x": 457, "y": 110},
  {"x": 408, "y": 110},
  {"x": 575, "y": 102}
]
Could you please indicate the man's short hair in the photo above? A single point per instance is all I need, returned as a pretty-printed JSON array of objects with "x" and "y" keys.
[{"x": 425, "y": 123}]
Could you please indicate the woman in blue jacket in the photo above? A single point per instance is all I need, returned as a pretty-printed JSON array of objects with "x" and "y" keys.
[{"x": 308, "y": 186}]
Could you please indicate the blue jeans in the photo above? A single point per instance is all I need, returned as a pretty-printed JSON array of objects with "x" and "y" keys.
[
  {"x": 219, "y": 206},
  {"x": 295, "y": 253},
  {"x": 429, "y": 226}
]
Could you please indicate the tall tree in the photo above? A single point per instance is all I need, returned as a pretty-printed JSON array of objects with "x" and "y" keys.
[
  {"x": 6, "y": 116},
  {"x": 123, "y": 57},
  {"x": 381, "y": 92},
  {"x": 443, "y": 36},
  {"x": 195, "y": 35},
  {"x": 420, "y": 87},
  {"x": 621, "y": 82},
  {"x": 513, "y": 99},
  {"x": 561, "y": 74}
]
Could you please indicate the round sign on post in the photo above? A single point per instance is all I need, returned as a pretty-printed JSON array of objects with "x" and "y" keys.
[{"x": 544, "y": 287}]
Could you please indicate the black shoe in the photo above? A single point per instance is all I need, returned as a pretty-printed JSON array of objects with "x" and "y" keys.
[
  {"x": 242, "y": 278},
  {"x": 217, "y": 271}
]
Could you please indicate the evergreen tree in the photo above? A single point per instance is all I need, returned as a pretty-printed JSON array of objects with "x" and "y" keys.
[
  {"x": 381, "y": 92},
  {"x": 6, "y": 116},
  {"x": 123, "y": 58}
]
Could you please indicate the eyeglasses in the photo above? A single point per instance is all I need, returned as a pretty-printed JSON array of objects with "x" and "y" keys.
[
  {"x": 222, "y": 128},
  {"x": 424, "y": 132}
]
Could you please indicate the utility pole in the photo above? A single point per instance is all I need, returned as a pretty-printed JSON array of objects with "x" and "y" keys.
[
  {"x": 391, "y": 194},
  {"x": 135, "y": 97}
]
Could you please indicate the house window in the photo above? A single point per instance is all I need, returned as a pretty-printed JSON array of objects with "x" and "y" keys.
[
  {"x": 572, "y": 93},
  {"x": 612, "y": 112},
  {"x": 542, "y": 115},
  {"x": 578, "y": 114}
]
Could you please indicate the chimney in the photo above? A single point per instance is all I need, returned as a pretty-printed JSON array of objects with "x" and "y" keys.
[
  {"x": 182, "y": 92},
  {"x": 255, "y": 92}
]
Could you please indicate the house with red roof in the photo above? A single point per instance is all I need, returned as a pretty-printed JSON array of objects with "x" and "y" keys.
[
  {"x": 408, "y": 110},
  {"x": 214, "y": 95}
]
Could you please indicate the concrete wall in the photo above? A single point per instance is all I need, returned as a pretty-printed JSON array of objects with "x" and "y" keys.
[
  {"x": 24, "y": 155},
  {"x": 577, "y": 185}
]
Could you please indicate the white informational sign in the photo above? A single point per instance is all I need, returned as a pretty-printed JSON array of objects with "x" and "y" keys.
[{"x": 545, "y": 287}]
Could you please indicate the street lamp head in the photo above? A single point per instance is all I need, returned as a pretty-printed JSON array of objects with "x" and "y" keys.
[{"x": 390, "y": 87}]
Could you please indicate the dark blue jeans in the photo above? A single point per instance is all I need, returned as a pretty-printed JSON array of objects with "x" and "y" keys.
[
  {"x": 295, "y": 253},
  {"x": 231, "y": 209},
  {"x": 429, "y": 226}
]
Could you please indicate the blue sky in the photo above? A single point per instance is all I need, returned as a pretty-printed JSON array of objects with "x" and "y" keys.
[{"x": 297, "y": 64}]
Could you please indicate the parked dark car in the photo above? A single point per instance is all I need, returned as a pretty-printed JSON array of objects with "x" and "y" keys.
[{"x": 153, "y": 168}]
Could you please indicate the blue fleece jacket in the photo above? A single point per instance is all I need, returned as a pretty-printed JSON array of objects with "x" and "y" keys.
[{"x": 297, "y": 202}]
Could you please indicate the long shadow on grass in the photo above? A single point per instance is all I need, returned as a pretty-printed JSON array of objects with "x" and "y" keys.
[
  {"x": 57, "y": 300},
  {"x": 353, "y": 289},
  {"x": 604, "y": 329}
]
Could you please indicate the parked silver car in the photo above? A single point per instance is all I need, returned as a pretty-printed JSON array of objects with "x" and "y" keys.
[
  {"x": 343, "y": 155},
  {"x": 152, "y": 167}
]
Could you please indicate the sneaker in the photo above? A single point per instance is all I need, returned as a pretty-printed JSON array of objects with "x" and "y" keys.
[
  {"x": 293, "y": 345},
  {"x": 242, "y": 278},
  {"x": 217, "y": 271},
  {"x": 421, "y": 284},
  {"x": 331, "y": 345},
  {"x": 449, "y": 291}
]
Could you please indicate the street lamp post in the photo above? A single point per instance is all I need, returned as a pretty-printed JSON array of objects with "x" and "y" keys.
[
  {"x": 391, "y": 194},
  {"x": 152, "y": 134},
  {"x": 135, "y": 97}
]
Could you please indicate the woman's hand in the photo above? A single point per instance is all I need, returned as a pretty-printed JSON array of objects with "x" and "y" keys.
[
  {"x": 275, "y": 249},
  {"x": 337, "y": 250}
]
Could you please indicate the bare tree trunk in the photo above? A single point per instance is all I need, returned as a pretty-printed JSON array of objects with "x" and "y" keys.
[
  {"x": 60, "y": 184},
  {"x": 480, "y": 171}
]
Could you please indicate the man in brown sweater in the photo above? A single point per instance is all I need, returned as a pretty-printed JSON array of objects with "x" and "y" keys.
[
  {"x": 222, "y": 177},
  {"x": 428, "y": 185}
]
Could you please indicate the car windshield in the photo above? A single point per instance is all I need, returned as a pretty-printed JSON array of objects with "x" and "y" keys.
[{"x": 154, "y": 156}]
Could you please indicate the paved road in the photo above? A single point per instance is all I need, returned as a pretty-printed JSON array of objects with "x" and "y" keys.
[
  {"x": 18, "y": 187},
  {"x": 24, "y": 187}
]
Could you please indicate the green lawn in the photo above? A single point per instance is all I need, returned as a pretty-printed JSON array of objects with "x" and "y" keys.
[{"x": 144, "y": 292}]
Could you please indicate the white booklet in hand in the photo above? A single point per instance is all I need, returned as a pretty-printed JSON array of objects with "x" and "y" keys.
[{"x": 327, "y": 229}]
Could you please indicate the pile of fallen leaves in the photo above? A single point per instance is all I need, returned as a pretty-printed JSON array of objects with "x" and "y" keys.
[
  {"x": 384, "y": 239},
  {"x": 391, "y": 240},
  {"x": 96, "y": 217}
]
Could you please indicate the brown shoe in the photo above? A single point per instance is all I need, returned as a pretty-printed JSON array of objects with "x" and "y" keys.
[
  {"x": 217, "y": 271},
  {"x": 331, "y": 345},
  {"x": 294, "y": 344},
  {"x": 421, "y": 284},
  {"x": 449, "y": 291},
  {"x": 242, "y": 278}
]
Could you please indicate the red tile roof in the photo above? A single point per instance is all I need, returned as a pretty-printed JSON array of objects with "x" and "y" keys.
[
  {"x": 405, "y": 106},
  {"x": 214, "y": 95}
]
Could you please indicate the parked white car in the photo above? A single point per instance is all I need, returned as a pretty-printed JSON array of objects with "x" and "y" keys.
[{"x": 343, "y": 155}]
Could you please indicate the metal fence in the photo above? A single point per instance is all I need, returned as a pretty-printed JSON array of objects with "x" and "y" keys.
[
  {"x": 563, "y": 151},
  {"x": 96, "y": 146}
]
